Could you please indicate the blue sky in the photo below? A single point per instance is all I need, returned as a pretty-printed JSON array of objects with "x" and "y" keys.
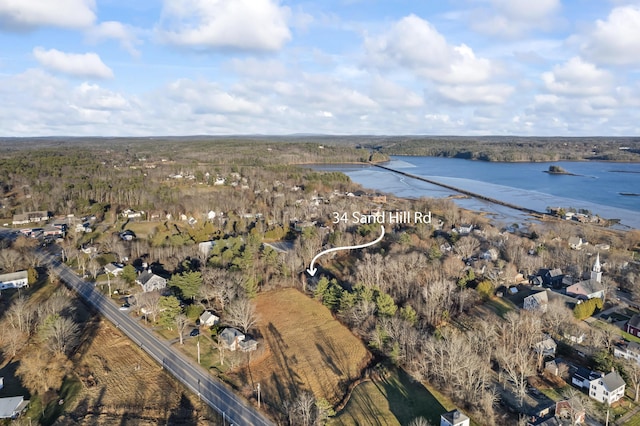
[{"x": 182, "y": 67}]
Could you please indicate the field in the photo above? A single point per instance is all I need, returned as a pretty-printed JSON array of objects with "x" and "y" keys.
[
  {"x": 305, "y": 349},
  {"x": 120, "y": 384},
  {"x": 393, "y": 400}
]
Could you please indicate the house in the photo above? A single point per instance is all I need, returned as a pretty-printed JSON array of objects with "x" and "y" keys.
[
  {"x": 113, "y": 268},
  {"x": 454, "y": 418},
  {"x": 546, "y": 347},
  {"x": 132, "y": 214},
  {"x": 12, "y": 407},
  {"x": 127, "y": 235},
  {"x": 38, "y": 216},
  {"x": 629, "y": 351},
  {"x": 205, "y": 247},
  {"x": 464, "y": 229},
  {"x": 536, "y": 302},
  {"x": 14, "y": 280},
  {"x": 491, "y": 254},
  {"x": 583, "y": 376},
  {"x": 50, "y": 231},
  {"x": 248, "y": 345},
  {"x": 576, "y": 243},
  {"x": 633, "y": 325},
  {"x": 608, "y": 388},
  {"x": 208, "y": 319},
  {"x": 150, "y": 281},
  {"x": 230, "y": 338}
]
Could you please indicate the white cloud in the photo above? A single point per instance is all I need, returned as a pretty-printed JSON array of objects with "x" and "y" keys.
[
  {"x": 617, "y": 40},
  {"x": 231, "y": 24},
  {"x": 125, "y": 34},
  {"x": 94, "y": 97},
  {"x": 203, "y": 97},
  {"x": 389, "y": 94},
  {"x": 578, "y": 78},
  {"x": 416, "y": 45},
  {"x": 515, "y": 18},
  {"x": 76, "y": 64},
  {"x": 28, "y": 14},
  {"x": 478, "y": 94}
]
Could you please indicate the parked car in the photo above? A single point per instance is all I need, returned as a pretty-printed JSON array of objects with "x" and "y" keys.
[{"x": 194, "y": 332}]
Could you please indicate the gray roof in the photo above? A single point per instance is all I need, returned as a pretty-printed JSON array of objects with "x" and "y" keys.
[
  {"x": 612, "y": 381},
  {"x": 11, "y": 406},
  {"x": 229, "y": 335},
  {"x": 455, "y": 416},
  {"x": 634, "y": 321},
  {"x": 20, "y": 275}
]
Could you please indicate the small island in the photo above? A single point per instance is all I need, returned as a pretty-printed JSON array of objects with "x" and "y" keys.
[{"x": 557, "y": 170}]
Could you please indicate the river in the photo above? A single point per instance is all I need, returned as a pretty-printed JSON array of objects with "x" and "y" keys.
[{"x": 595, "y": 186}]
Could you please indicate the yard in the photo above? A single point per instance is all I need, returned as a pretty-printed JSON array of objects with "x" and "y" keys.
[
  {"x": 305, "y": 348},
  {"x": 393, "y": 400}
]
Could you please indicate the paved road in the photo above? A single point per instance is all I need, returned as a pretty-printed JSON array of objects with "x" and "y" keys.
[{"x": 234, "y": 409}]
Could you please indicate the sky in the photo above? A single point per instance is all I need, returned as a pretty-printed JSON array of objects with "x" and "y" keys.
[{"x": 274, "y": 67}]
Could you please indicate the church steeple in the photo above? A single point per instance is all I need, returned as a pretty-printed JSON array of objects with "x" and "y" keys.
[{"x": 596, "y": 271}]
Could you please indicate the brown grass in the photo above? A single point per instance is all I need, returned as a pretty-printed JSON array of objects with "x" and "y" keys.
[
  {"x": 123, "y": 385},
  {"x": 305, "y": 349}
]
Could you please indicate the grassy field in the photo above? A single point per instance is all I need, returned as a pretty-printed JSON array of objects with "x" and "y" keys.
[
  {"x": 305, "y": 349},
  {"x": 120, "y": 384},
  {"x": 394, "y": 400}
]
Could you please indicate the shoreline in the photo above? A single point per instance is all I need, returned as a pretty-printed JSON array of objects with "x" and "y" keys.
[{"x": 541, "y": 215}]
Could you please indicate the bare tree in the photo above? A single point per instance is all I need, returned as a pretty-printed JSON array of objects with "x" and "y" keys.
[
  {"x": 466, "y": 246},
  {"x": 181, "y": 324},
  {"x": 632, "y": 368},
  {"x": 242, "y": 313},
  {"x": 12, "y": 340},
  {"x": 304, "y": 409},
  {"x": 149, "y": 303},
  {"x": 9, "y": 259},
  {"x": 20, "y": 314},
  {"x": 62, "y": 334},
  {"x": 420, "y": 421}
]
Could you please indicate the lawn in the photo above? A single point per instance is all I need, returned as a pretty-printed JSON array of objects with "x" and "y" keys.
[
  {"x": 500, "y": 306},
  {"x": 305, "y": 348},
  {"x": 395, "y": 400}
]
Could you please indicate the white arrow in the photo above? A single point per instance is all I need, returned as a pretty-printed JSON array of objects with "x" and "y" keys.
[{"x": 312, "y": 271}]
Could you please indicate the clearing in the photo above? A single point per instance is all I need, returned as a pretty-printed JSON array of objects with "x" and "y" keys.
[{"x": 305, "y": 349}]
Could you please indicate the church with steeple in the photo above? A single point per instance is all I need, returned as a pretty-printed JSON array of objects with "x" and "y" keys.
[{"x": 588, "y": 289}]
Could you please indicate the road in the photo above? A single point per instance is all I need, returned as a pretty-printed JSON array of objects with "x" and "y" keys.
[{"x": 233, "y": 408}]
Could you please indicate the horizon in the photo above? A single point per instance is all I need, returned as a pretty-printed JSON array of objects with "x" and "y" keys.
[{"x": 553, "y": 68}]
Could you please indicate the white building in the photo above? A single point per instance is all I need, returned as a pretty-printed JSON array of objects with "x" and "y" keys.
[
  {"x": 14, "y": 280},
  {"x": 454, "y": 418},
  {"x": 630, "y": 351},
  {"x": 12, "y": 407},
  {"x": 608, "y": 388},
  {"x": 150, "y": 281}
]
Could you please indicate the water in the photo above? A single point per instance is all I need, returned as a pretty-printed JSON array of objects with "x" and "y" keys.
[{"x": 596, "y": 186}]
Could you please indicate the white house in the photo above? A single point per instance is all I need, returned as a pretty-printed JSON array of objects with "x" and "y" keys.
[
  {"x": 208, "y": 319},
  {"x": 609, "y": 388},
  {"x": 14, "y": 280},
  {"x": 536, "y": 302},
  {"x": 231, "y": 338},
  {"x": 454, "y": 418},
  {"x": 150, "y": 281},
  {"x": 12, "y": 407},
  {"x": 630, "y": 351},
  {"x": 113, "y": 268}
]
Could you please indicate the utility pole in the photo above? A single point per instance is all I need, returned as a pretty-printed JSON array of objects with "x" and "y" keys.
[{"x": 258, "y": 395}]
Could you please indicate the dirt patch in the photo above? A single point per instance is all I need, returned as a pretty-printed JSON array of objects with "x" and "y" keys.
[{"x": 305, "y": 349}]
